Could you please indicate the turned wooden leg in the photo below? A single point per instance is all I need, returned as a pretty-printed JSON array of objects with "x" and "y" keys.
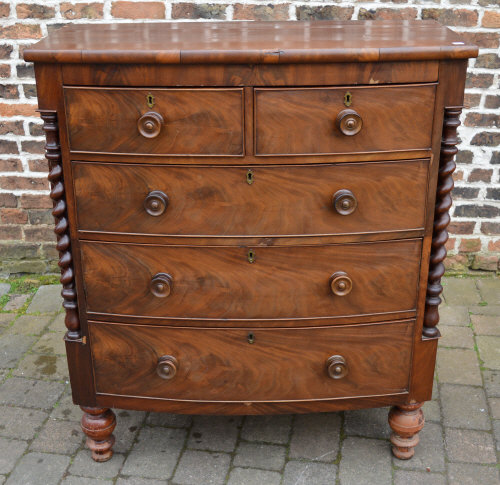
[
  {"x": 405, "y": 420},
  {"x": 98, "y": 424}
]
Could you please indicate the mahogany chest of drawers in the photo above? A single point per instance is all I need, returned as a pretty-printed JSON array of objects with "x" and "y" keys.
[{"x": 251, "y": 217}]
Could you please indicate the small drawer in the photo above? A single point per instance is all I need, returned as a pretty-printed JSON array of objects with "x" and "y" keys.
[
  {"x": 181, "y": 282},
  {"x": 190, "y": 122},
  {"x": 207, "y": 364},
  {"x": 343, "y": 120},
  {"x": 261, "y": 201}
]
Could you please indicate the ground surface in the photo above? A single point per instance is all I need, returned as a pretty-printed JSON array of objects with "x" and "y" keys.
[{"x": 41, "y": 443}]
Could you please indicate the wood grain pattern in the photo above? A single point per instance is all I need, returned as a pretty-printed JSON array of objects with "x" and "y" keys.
[
  {"x": 303, "y": 121},
  {"x": 211, "y": 367},
  {"x": 196, "y": 121},
  {"x": 283, "y": 200},
  {"x": 219, "y": 282}
]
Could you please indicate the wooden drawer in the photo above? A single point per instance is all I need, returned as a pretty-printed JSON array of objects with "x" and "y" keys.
[
  {"x": 304, "y": 121},
  {"x": 221, "y": 283},
  {"x": 281, "y": 200},
  {"x": 180, "y": 122},
  {"x": 281, "y": 364}
]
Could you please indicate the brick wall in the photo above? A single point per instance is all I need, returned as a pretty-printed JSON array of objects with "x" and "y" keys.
[{"x": 26, "y": 238}]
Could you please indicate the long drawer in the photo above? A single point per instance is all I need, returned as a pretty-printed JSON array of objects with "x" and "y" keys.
[
  {"x": 207, "y": 364},
  {"x": 245, "y": 283},
  {"x": 266, "y": 200},
  {"x": 299, "y": 121}
]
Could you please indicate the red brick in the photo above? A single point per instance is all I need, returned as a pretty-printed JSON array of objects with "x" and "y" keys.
[
  {"x": 490, "y": 228},
  {"x": 40, "y": 165},
  {"x": 21, "y": 31},
  {"x": 450, "y": 244},
  {"x": 4, "y": 70},
  {"x": 494, "y": 245},
  {"x": 4, "y": 9},
  {"x": 453, "y": 17},
  {"x": 462, "y": 227},
  {"x": 13, "y": 216},
  {"x": 34, "y": 201},
  {"x": 458, "y": 175},
  {"x": 74, "y": 11},
  {"x": 10, "y": 233},
  {"x": 138, "y": 10},
  {"x": 9, "y": 91},
  {"x": 470, "y": 245},
  {"x": 7, "y": 110},
  {"x": 456, "y": 262},
  {"x": 329, "y": 12},
  {"x": 10, "y": 182},
  {"x": 478, "y": 80},
  {"x": 34, "y": 11},
  {"x": 486, "y": 138},
  {"x": 492, "y": 102},
  {"x": 8, "y": 200},
  {"x": 38, "y": 233},
  {"x": 260, "y": 12},
  {"x": 489, "y": 120},
  {"x": 491, "y": 19},
  {"x": 485, "y": 262},
  {"x": 8, "y": 146},
  {"x": 485, "y": 40},
  {"x": 388, "y": 14},
  {"x": 5, "y": 51},
  {"x": 11, "y": 165},
  {"x": 32, "y": 146},
  {"x": 198, "y": 11},
  {"x": 488, "y": 61},
  {"x": 11, "y": 128}
]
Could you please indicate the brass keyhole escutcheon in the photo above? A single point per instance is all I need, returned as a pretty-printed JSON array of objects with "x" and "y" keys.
[
  {"x": 250, "y": 177},
  {"x": 150, "y": 99},
  {"x": 251, "y": 338},
  {"x": 348, "y": 98},
  {"x": 251, "y": 256}
]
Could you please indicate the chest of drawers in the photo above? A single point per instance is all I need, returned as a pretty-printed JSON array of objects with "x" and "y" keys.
[{"x": 251, "y": 217}]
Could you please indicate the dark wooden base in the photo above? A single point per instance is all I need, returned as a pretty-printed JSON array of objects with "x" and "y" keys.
[
  {"x": 98, "y": 424},
  {"x": 405, "y": 420}
]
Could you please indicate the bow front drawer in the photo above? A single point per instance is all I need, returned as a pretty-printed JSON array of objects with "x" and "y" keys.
[
  {"x": 155, "y": 121},
  {"x": 210, "y": 364},
  {"x": 343, "y": 120},
  {"x": 183, "y": 282}
]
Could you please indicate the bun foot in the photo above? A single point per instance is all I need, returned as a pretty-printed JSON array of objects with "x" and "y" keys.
[
  {"x": 98, "y": 424},
  {"x": 405, "y": 421}
]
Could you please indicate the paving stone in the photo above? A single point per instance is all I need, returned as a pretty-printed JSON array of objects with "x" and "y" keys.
[
  {"x": 29, "y": 325},
  {"x": 464, "y": 407},
  {"x": 309, "y": 473},
  {"x": 369, "y": 423},
  {"x": 486, "y": 324},
  {"x": 72, "y": 480},
  {"x": 214, "y": 433},
  {"x": 470, "y": 446},
  {"x": 453, "y": 315},
  {"x": 58, "y": 324},
  {"x": 140, "y": 481},
  {"x": 495, "y": 407},
  {"x": 489, "y": 289},
  {"x": 62, "y": 437},
  {"x": 202, "y": 467},
  {"x": 10, "y": 452},
  {"x": 4, "y": 288},
  {"x": 429, "y": 454},
  {"x": 128, "y": 424},
  {"x": 6, "y": 318},
  {"x": 12, "y": 348},
  {"x": 53, "y": 367},
  {"x": 466, "y": 474},
  {"x": 65, "y": 409},
  {"x": 456, "y": 337},
  {"x": 20, "y": 422},
  {"x": 458, "y": 366},
  {"x": 38, "y": 468},
  {"x": 489, "y": 351},
  {"x": 169, "y": 420},
  {"x": 269, "y": 429},
  {"x": 83, "y": 465},
  {"x": 365, "y": 460},
  {"x": 155, "y": 453},
  {"x": 259, "y": 455},
  {"x": 15, "y": 302},
  {"x": 316, "y": 436},
  {"x": 29, "y": 393},
  {"x": 492, "y": 382},
  {"x": 46, "y": 300},
  {"x": 496, "y": 432},
  {"x": 51, "y": 343},
  {"x": 247, "y": 476},
  {"x": 492, "y": 310},
  {"x": 460, "y": 291},
  {"x": 432, "y": 412},
  {"x": 406, "y": 477}
]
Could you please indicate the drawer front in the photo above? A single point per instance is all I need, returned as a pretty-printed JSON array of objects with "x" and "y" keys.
[
  {"x": 221, "y": 283},
  {"x": 176, "y": 121},
  {"x": 280, "y": 200},
  {"x": 317, "y": 120},
  {"x": 280, "y": 364}
]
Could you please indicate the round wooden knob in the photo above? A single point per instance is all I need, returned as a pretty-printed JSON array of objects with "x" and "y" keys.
[
  {"x": 340, "y": 283},
  {"x": 161, "y": 285},
  {"x": 344, "y": 202},
  {"x": 149, "y": 124},
  {"x": 155, "y": 203},
  {"x": 167, "y": 367},
  {"x": 336, "y": 367},
  {"x": 349, "y": 122}
]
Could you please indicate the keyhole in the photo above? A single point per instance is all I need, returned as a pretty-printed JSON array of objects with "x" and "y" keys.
[
  {"x": 348, "y": 98},
  {"x": 251, "y": 338},
  {"x": 249, "y": 177},
  {"x": 251, "y": 256},
  {"x": 150, "y": 100}
]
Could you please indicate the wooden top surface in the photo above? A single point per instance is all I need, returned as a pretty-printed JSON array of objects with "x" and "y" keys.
[{"x": 251, "y": 42}]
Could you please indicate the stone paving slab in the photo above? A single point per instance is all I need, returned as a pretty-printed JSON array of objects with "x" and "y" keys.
[{"x": 41, "y": 441}]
